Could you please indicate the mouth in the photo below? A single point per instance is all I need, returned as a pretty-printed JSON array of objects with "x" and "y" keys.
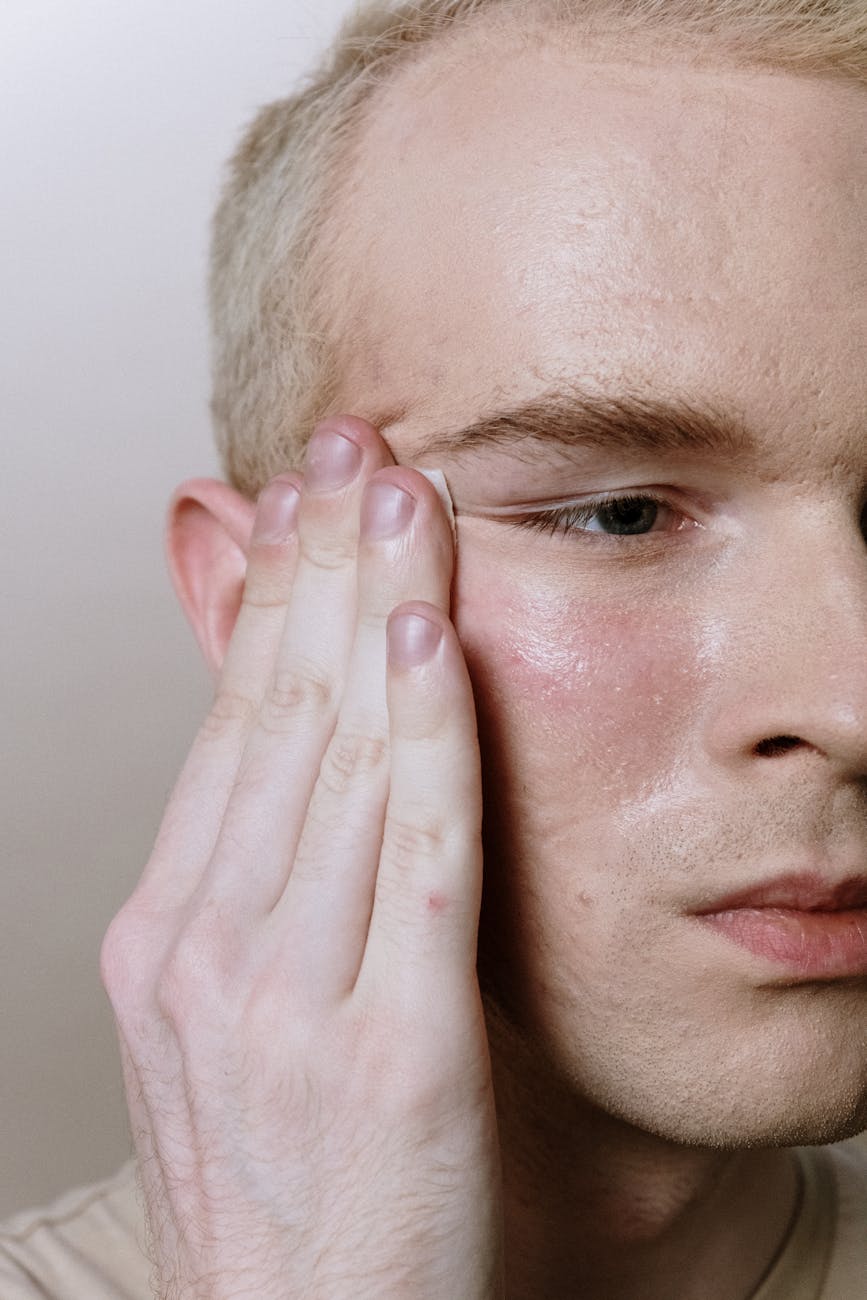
[{"x": 815, "y": 928}]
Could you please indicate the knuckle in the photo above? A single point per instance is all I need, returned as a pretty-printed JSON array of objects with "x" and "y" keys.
[
  {"x": 265, "y": 592},
  {"x": 129, "y": 954},
  {"x": 230, "y": 712},
  {"x": 329, "y": 550},
  {"x": 179, "y": 985},
  {"x": 350, "y": 756},
  {"x": 198, "y": 971},
  {"x": 375, "y": 620},
  {"x": 296, "y": 692},
  {"x": 408, "y": 843},
  {"x": 114, "y": 963},
  {"x": 267, "y": 585}
]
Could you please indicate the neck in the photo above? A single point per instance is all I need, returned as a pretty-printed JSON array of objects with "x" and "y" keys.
[{"x": 594, "y": 1206}]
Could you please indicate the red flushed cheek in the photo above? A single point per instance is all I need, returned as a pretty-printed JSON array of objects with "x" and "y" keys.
[{"x": 605, "y": 685}]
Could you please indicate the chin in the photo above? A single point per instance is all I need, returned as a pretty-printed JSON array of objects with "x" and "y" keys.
[
  {"x": 795, "y": 1079},
  {"x": 742, "y": 1124},
  {"x": 773, "y": 1068}
]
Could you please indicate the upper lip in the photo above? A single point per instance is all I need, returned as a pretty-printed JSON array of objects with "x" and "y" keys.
[{"x": 804, "y": 892}]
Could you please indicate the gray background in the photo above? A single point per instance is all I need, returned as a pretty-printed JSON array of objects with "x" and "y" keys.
[{"x": 115, "y": 119}]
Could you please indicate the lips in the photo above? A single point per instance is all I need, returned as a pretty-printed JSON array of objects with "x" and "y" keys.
[
  {"x": 801, "y": 893},
  {"x": 814, "y": 928}
]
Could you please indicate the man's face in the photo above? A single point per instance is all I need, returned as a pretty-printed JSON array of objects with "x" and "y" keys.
[{"x": 526, "y": 222}]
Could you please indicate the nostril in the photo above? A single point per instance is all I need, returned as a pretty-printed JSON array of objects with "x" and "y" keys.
[{"x": 777, "y": 745}]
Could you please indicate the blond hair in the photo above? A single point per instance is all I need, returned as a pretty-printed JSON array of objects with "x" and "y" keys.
[{"x": 275, "y": 318}]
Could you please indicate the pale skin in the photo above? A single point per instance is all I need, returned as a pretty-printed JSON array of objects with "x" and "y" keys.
[{"x": 361, "y": 1123}]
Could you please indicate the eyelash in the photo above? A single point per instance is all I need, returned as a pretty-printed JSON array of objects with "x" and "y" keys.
[{"x": 572, "y": 520}]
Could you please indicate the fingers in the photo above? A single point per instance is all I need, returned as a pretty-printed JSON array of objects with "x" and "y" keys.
[
  {"x": 280, "y": 764},
  {"x": 322, "y": 919},
  {"x": 424, "y": 928},
  {"x": 191, "y": 823},
  {"x": 333, "y": 802}
]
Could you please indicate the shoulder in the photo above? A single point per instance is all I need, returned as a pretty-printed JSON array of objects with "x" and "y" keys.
[
  {"x": 824, "y": 1255},
  {"x": 89, "y": 1242},
  {"x": 847, "y": 1272}
]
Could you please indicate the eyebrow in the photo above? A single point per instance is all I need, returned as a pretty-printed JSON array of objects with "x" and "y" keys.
[{"x": 627, "y": 423}]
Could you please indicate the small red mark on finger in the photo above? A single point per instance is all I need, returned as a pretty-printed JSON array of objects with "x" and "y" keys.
[{"x": 437, "y": 903}]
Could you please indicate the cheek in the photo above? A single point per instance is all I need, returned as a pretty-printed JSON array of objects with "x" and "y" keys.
[
  {"x": 587, "y": 702},
  {"x": 604, "y": 687}
]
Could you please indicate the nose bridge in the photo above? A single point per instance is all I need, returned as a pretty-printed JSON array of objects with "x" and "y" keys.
[
  {"x": 816, "y": 588},
  {"x": 796, "y": 665}
]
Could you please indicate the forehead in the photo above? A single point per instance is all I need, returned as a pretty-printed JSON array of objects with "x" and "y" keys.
[{"x": 521, "y": 215}]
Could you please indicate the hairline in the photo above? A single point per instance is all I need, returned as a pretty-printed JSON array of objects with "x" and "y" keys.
[{"x": 277, "y": 336}]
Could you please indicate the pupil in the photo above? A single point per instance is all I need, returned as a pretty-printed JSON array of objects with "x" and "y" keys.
[{"x": 629, "y": 517}]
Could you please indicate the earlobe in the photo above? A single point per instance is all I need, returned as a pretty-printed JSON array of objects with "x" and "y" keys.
[{"x": 208, "y": 526}]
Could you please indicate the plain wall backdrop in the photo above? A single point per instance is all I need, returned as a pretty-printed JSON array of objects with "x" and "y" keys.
[{"x": 117, "y": 117}]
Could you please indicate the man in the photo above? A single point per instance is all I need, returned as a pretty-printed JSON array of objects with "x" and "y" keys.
[{"x": 608, "y": 279}]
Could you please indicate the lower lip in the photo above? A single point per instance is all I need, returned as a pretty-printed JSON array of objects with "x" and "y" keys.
[{"x": 814, "y": 945}]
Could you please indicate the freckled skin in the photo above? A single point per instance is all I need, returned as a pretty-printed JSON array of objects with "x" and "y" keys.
[{"x": 704, "y": 230}]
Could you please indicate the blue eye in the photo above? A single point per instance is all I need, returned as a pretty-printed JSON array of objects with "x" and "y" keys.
[{"x": 628, "y": 516}]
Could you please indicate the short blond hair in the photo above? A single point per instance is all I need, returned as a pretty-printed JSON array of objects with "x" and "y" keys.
[{"x": 275, "y": 318}]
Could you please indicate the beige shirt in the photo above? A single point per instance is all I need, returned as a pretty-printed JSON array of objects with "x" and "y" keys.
[{"x": 89, "y": 1245}]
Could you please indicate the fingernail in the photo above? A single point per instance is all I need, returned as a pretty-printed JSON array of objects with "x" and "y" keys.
[
  {"x": 332, "y": 461},
  {"x": 385, "y": 511},
  {"x": 276, "y": 512},
  {"x": 412, "y": 640}
]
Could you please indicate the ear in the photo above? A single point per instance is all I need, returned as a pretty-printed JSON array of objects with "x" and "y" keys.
[{"x": 208, "y": 526}]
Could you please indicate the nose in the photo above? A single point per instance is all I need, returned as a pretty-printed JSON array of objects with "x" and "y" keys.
[{"x": 790, "y": 656}]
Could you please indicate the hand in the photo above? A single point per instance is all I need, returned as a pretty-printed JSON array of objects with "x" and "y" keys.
[{"x": 294, "y": 978}]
